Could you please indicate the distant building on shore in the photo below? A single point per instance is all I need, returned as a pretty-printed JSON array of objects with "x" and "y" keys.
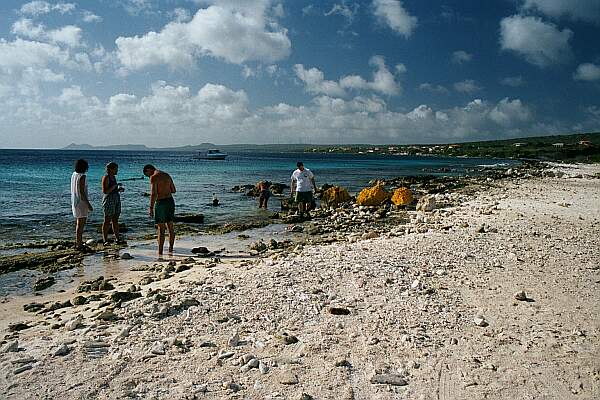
[{"x": 558, "y": 144}]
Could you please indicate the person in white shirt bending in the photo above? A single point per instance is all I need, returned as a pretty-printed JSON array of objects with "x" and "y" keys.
[{"x": 302, "y": 186}]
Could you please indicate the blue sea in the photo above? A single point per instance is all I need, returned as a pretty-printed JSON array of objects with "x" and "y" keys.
[{"x": 35, "y": 197}]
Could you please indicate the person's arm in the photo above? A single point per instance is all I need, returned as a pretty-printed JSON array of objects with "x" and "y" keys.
[
  {"x": 312, "y": 180},
  {"x": 83, "y": 194},
  {"x": 292, "y": 185},
  {"x": 153, "y": 194},
  {"x": 173, "y": 189}
]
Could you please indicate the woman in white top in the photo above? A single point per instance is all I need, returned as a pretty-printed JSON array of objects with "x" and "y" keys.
[{"x": 79, "y": 200}]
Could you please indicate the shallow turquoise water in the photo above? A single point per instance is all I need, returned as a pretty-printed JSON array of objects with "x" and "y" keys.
[{"x": 35, "y": 198}]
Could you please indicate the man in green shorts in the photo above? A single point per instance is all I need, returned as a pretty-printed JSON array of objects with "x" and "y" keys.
[
  {"x": 162, "y": 205},
  {"x": 302, "y": 185}
]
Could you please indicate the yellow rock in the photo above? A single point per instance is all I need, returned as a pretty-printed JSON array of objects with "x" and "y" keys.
[
  {"x": 402, "y": 196},
  {"x": 373, "y": 196},
  {"x": 335, "y": 196}
]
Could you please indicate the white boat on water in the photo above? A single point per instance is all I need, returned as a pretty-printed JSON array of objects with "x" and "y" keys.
[{"x": 211, "y": 154}]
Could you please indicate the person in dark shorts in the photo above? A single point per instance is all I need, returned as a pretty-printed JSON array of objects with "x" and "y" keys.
[
  {"x": 302, "y": 186},
  {"x": 162, "y": 205},
  {"x": 111, "y": 202},
  {"x": 263, "y": 194}
]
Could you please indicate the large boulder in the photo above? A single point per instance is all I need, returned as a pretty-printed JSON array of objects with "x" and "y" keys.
[
  {"x": 402, "y": 197},
  {"x": 426, "y": 203},
  {"x": 372, "y": 196},
  {"x": 334, "y": 196}
]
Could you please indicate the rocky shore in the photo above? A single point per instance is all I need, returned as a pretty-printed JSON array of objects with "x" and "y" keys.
[{"x": 492, "y": 292}]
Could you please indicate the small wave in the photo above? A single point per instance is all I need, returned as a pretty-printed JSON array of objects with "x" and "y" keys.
[{"x": 497, "y": 165}]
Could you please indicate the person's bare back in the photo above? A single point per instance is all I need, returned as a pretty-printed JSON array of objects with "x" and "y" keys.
[{"x": 162, "y": 185}]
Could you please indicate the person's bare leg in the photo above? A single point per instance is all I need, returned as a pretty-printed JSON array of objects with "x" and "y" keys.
[
  {"x": 171, "y": 236},
  {"x": 301, "y": 208},
  {"x": 105, "y": 228},
  {"x": 161, "y": 238},
  {"x": 80, "y": 224},
  {"x": 115, "y": 225}
]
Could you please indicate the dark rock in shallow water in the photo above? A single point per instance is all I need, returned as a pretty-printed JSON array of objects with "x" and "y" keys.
[
  {"x": 44, "y": 283},
  {"x": 190, "y": 218}
]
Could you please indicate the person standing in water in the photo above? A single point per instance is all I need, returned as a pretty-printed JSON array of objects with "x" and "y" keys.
[
  {"x": 111, "y": 202},
  {"x": 263, "y": 194},
  {"x": 302, "y": 185},
  {"x": 162, "y": 205},
  {"x": 80, "y": 203}
]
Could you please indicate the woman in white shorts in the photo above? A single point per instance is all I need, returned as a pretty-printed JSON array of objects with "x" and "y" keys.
[{"x": 80, "y": 202}]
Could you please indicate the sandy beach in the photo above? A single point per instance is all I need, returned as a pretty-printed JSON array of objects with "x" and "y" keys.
[{"x": 494, "y": 297}]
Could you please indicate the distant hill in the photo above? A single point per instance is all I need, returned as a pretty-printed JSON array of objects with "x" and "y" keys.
[{"x": 201, "y": 146}]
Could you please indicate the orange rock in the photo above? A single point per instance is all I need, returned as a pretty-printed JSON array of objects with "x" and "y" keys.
[
  {"x": 402, "y": 196},
  {"x": 335, "y": 196},
  {"x": 373, "y": 196}
]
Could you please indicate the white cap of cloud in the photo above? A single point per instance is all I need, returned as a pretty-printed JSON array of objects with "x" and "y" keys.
[
  {"x": 585, "y": 10},
  {"x": 392, "y": 14},
  {"x": 541, "y": 43},
  {"x": 587, "y": 72},
  {"x": 467, "y": 86},
  {"x": 383, "y": 82},
  {"x": 234, "y": 32},
  {"x": 69, "y": 35}
]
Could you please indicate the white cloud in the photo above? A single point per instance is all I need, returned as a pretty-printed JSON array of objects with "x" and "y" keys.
[
  {"x": 461, "y": 57},
  {"x": 69, "y": 35},
  {"x": 180, "y": 15},
  {"x": 467, "y": 86},
  {"x": 542, "y": 44},
  {"x": 90, "y": 17},
  {"x": 307, "y": 10},
  {"x": 315, "y": 82},
  {"x": 234, "y": 32},
  {"x": 36, "y": 8},
  {"x": 587, "y": 72},
  {"x": 136, "y": 7},
  {"x": 21, "y": 54},
  {"x": 383, "y": 82},
  {"x": 509, "y": 112},
  {"x": 429, "y": 87},
  {"x": 26, "y": 65},
  {"x": 585, "y": 10},
  {"x": 345, "y": 10},
  {"x": 392, "y": 14},
  {"x": 513, "y": 81},
  {"x": 174, "y": 115}
]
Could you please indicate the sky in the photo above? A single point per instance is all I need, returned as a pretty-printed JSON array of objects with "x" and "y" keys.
[{"x": 176, "y": 72}]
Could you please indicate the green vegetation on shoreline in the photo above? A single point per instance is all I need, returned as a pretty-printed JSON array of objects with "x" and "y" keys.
[{"x": 576, "y": 147}]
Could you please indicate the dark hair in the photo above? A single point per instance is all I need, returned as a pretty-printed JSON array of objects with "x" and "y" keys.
[
  {"x": 81, "y": 166},
  {"x": 299, "y": 164},
  {"x": 112, "y": 165},
  {"x": 148, "y": 166}
]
